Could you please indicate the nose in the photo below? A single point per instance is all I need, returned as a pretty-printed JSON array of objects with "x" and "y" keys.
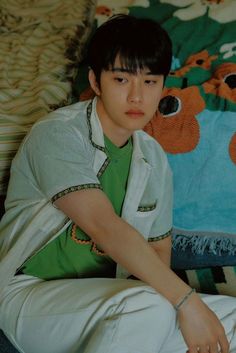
[{"x": 135, "y": 94}]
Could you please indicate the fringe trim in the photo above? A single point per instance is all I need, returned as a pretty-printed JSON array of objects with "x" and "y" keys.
[{"x": 199, "y": 244}]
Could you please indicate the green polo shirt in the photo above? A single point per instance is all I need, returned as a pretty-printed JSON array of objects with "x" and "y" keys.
[{"x": 73, "y": 254}]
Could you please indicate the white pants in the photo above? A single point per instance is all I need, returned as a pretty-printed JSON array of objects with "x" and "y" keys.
[{"x": 97, "y": 316}]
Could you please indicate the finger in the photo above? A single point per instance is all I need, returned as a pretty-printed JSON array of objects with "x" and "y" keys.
[
  {"x": 213, "y": 348},
  {"x": 223, "y": 346},
  {"x": 205, "y": 349},
  {"x": 194, "y": 349}
]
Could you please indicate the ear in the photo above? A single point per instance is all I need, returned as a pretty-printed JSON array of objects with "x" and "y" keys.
[{"x": 93, "y": 82}]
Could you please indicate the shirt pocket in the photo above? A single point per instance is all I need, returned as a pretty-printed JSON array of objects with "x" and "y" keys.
[
  {"x": 144, "y": 218},
  {"x": 147, "y": 207}
]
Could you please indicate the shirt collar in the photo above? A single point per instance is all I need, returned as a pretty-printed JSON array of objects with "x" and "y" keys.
[
  {"x": 96, "y": 133},
  {"x": 95, "y": 127}
]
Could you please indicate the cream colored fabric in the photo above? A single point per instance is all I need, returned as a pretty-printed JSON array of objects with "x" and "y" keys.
[
  {"x": 98, "y": 315},
  {"x": 35, "y": 70}
]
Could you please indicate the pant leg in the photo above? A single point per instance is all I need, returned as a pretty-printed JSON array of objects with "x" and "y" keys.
[
  {"x": 99, "y": 315},
  {"x": 225, "y": 309},
  {"x": 88, "y": 316}
]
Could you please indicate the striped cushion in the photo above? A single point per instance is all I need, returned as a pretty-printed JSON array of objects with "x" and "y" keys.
[
  {"x": 211, "y": 280},
  {"x": 36, "y": 67}
]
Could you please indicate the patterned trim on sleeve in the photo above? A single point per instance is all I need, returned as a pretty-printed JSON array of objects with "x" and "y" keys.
[
  {"x": 160, "y": 237},
  {"x": 75, "y": 188}
]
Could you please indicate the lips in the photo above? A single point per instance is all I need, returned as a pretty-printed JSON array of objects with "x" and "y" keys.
[{"x": 135, "y": 113}]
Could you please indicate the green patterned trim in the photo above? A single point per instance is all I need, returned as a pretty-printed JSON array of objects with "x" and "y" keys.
[
  {"x": 89, "y": 112},
  {"x": 147, "y": 208},
  {"x": 160, "y": 237},
  {"x": 75, "y": 188},
  {"x": 103, "y": 167},
  {"x": 107, "y": 161}
]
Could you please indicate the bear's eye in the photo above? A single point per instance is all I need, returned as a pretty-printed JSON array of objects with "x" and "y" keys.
[
  {"x": 199, "y": 61},
  {"x": 230, "y": 80},
  {"x": 169, "y": 106}
]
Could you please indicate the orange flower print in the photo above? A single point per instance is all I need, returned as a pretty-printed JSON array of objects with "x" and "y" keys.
[
  {"x": 232, "y": 148},
  {"x": 201, "y": 59},
  {"x": 104, "y": 11},
  {"x": 107, "y": 8},
  {"x": 223, "y": 82},
  {"x": 87, "y": 94},
  {"x": 174, "y": 125}
]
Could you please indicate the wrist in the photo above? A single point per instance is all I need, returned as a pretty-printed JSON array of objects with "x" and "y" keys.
[{"x": 184, "y": 299}]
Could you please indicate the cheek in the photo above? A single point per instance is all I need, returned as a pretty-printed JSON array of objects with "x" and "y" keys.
[
  {"x": 156, "y": 96},
  {"x": 111, "y": 92},
  {"x": 110, "y": 98},
  {"x": 153, "y": 100},
  {"x": 115, "y": 98}
]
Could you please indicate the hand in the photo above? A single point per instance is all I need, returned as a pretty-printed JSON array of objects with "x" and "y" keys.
[{"x": 200, "y": 327}]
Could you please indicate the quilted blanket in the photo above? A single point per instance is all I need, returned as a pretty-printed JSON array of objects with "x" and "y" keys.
[{"x": 196, "y": 119}]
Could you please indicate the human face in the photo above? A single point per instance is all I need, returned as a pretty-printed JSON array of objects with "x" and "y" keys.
[{"x": 126, "y": 101}]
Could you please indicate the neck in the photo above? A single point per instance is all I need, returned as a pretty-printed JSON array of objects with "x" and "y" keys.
[
  {"x": 118, "y": 140},
  {"x": 118, "y": 135}
]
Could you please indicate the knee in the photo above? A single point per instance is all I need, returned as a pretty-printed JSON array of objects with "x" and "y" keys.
[
  {"x": 164, "y": 309},
  {"x": 145, "y": 299}
]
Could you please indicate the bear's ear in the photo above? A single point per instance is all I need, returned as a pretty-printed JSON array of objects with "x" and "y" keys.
[{"x": 93, "y": 82}]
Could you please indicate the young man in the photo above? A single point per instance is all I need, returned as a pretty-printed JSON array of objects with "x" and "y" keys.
[{"x": 90, "y": 199}]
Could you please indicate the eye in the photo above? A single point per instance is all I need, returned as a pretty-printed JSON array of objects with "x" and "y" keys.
[
  {"x": 150, "y": 82},
  {"x": 120, "y": 79}
]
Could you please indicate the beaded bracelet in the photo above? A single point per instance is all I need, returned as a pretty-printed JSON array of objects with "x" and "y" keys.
[{"x": 177, "y": 306}]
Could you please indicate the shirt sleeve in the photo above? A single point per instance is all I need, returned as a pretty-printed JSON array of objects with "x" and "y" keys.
[
  {"x": 162, "y": 225},
  {"x": 60, "y": 160}
]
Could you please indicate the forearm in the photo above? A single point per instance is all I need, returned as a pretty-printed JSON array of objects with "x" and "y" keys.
[
  {"x": 92, "y": 211},
  {"x": 163, "y": 249},
  {"x": 128, "y": 248}
]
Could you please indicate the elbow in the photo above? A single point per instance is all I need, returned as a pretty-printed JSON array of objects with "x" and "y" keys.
[{"x": 103, "y": 229}]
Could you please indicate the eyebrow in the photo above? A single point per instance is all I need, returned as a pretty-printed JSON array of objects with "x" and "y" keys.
[{"x": 129, "y": 71}]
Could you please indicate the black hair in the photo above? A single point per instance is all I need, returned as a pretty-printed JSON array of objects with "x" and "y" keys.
[{"x": 139, "y": 42}]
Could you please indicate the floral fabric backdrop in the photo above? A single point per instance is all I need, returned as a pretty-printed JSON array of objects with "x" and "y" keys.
[{"x": 196, "y": 120}]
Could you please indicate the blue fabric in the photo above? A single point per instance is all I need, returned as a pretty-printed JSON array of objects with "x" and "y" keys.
[{"x": 205, "y": 179}]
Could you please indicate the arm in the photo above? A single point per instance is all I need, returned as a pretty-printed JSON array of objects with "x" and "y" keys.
[
  {"x": 163, "y": 249},
  {"x": 93, "y": 212}
]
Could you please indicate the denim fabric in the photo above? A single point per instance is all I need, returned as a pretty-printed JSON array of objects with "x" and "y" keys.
[
  {"x": 187, "y": 260},
  {"x": 5, "y": 344}
]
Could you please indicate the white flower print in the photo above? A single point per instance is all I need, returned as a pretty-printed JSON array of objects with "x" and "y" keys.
[
  {"x": 229, "y": 49},
  {"x": 107, "y": 8},
  {"x": 222, "y": 11}
]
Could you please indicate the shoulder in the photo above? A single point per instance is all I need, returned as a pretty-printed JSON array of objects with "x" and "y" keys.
[
  {"x": 62, "y": 125},
  {"x": 70, "y": 115},
  {"x": 61, "y": 133}
]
